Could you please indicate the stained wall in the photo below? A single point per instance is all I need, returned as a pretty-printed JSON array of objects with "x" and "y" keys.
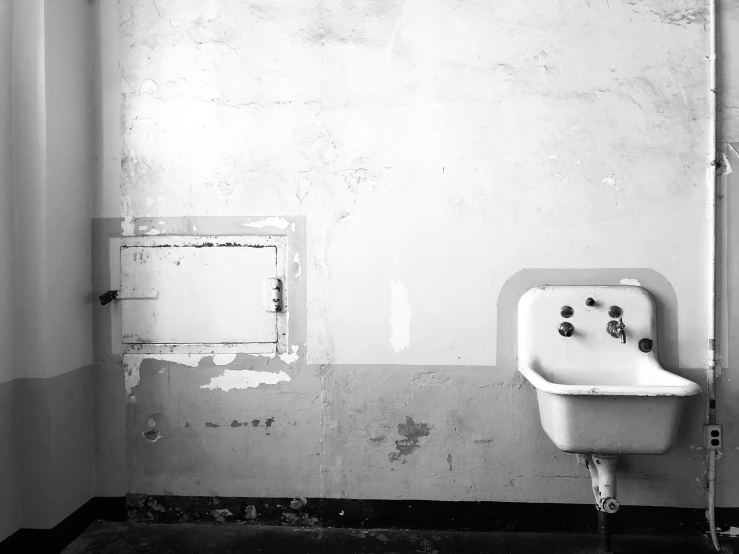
[{"x": 445, "y": 156}]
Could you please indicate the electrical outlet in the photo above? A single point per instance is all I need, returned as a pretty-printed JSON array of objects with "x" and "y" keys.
[{"x": 714, "y": 437}]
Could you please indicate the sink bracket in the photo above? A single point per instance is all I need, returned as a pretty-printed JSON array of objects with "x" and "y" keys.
[{"x": 603, "y": 478}]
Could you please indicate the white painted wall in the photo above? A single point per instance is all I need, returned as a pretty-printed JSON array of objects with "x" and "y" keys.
[
  {"x": 67, "y": 312},
  {"x": 106, "y": 102},
  {"x": 7, "y": 342},
  {"x": 52, "y": 158},
  {"x": 10, "y": 514},
  {"x": 29, "y": 143},
  {"x": 437, "y": 147}
]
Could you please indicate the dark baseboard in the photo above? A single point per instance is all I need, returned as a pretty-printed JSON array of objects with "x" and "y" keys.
[
  {"x": 57, "y": 538},
  {"x": 422, "y": 515},
  {"x": 366, "y": 514}
]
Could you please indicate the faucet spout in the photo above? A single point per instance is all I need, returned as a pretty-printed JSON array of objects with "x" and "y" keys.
[{"x": 617, "y": 329}]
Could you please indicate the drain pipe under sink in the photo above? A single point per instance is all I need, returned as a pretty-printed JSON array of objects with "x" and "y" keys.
[{"x": 603, "y": 478}]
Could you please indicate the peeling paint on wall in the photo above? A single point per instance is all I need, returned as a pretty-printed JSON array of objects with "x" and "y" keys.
[
  {"x": 297, "y": 268},
  {"x": 429, "y": 380},
  {"x": 148, "y": 87},
  {"x": 726, "y": 167},
  {"x": 678, "y": 12},
  {"x": 342, "y": 216},
  {"x": 277, "y": 222},
  {"x": 152, "y": 435},
  {"x": 358, "y": 181},
  {"x": 612, "y": 184},
  {"x": 127, "y": 225},
  {"x": 379, "y": 429},
  {"x": 131, "y": 376},
  {"x": 254, "y": 423},
  {"x": 223, "y": 359},
  {"x": 400, "y": 316},
  {"x": 245, "y": 379},
  {"x": 221, "y": 515},
  {"x": 303, "y": 187},
  {"x": 132, "y": 363},
  {"x": 291, "y": 357}
]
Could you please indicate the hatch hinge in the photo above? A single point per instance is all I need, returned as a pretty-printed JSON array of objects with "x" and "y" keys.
[{"x": 273, "y": 297}]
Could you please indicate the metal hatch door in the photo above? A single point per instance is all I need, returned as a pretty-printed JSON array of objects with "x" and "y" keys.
[{"x": 208, "y": 294}]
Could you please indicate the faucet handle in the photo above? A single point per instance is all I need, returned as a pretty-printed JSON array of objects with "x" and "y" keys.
[{"x": 566, "y": 329}]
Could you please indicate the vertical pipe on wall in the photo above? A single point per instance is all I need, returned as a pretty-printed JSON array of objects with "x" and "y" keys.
[
  {"x": 712, "y": 499},
  {"x": 712, "y": 223},
  {"x": 712, "y": 242}
]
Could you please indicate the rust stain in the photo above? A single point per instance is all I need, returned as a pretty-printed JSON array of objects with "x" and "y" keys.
[
  {"x": 412, "y": 431},
  {"x": 202, "y": 245},
  {"x": 151, "y": 435}
]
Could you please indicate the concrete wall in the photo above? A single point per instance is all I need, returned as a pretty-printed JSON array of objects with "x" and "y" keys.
[
  {"x": 445, "y": 156},
  {"x": 45, "y": 332},
  {"x": 68, "y": 197},
  {"x": 52, "y": 139},
  {"x": 728, "y": 39},
  {"x": 55, "y": 431},
  {"x": 10, "y": 515},
  {"x": 6, "y": 189}
]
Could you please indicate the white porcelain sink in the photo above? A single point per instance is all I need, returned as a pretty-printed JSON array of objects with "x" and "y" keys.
[{"x": 596, "y": 394}]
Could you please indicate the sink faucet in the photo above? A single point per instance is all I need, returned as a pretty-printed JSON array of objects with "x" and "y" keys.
[{"x": 617, "y": 329}]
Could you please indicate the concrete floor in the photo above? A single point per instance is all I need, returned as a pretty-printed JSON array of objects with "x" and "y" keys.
[{"x": 124, "y": 538}]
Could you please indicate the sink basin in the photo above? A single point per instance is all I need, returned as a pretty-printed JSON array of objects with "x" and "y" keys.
[{"x": 597, "y": 394}]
